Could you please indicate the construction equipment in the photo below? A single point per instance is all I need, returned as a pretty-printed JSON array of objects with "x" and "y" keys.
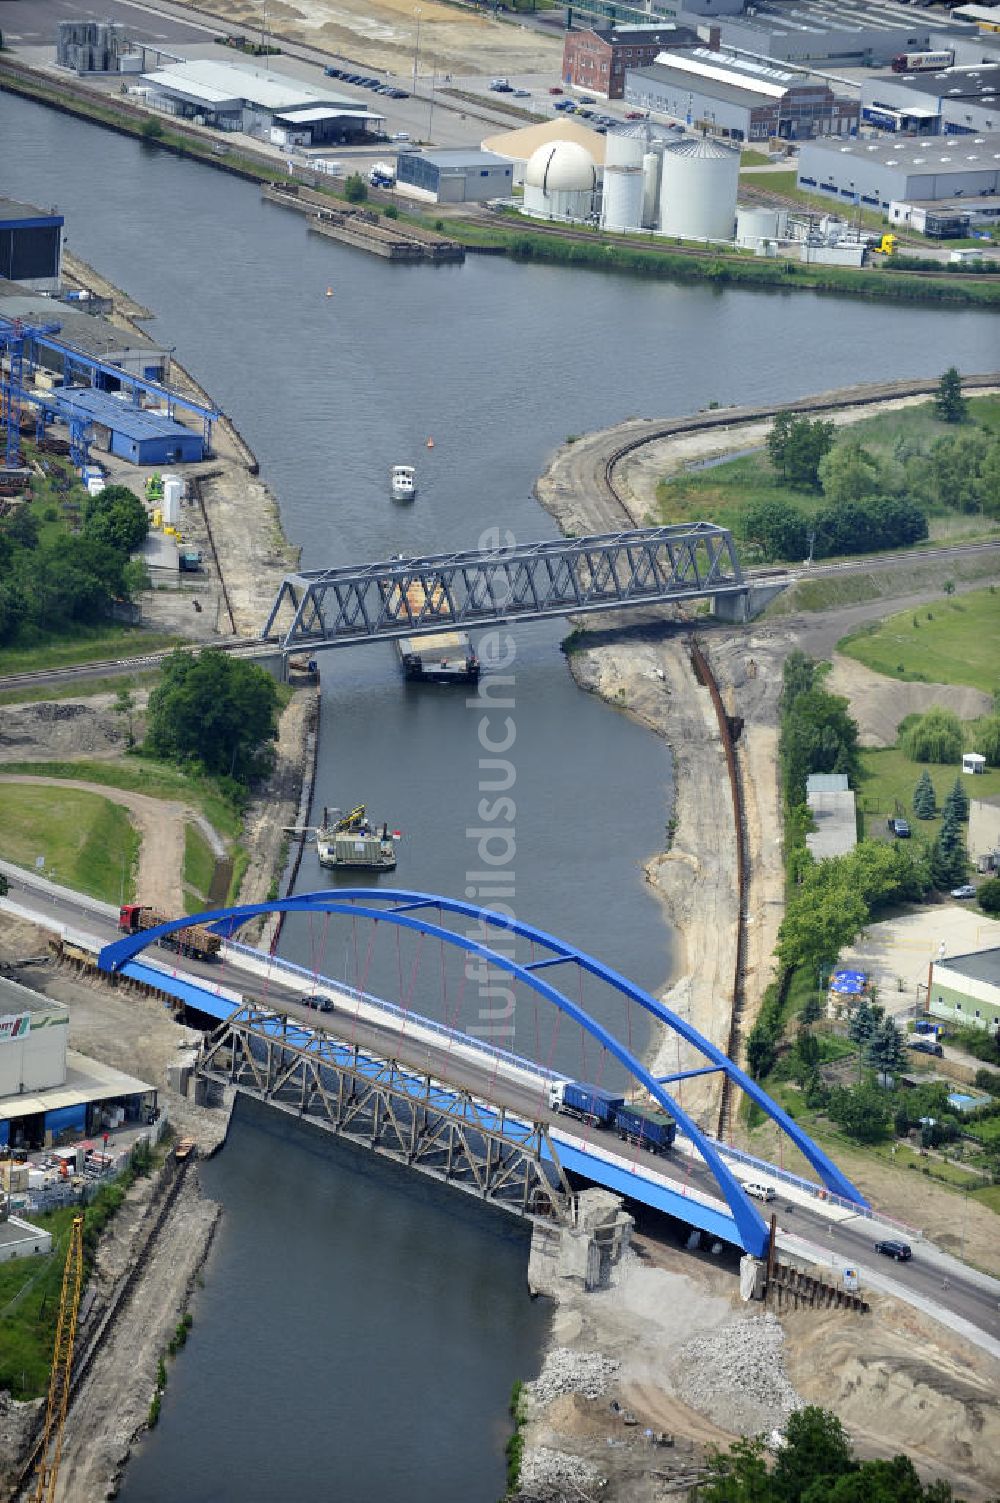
[
  {"x": 62, "y": 1368},
  {"x": 887, "y": 245}
]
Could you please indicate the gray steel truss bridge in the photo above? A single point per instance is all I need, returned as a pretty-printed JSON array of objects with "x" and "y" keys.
[
  {"x": 320, "y": 608},
  {"x": 396, "y": 1112}
]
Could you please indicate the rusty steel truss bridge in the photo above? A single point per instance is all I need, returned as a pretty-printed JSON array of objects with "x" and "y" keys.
[{"x": 320, "y": 608}]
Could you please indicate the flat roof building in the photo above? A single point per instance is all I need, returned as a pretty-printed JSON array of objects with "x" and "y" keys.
[
  {"x": 598, "y": 57},
  {"x": 965, "y": 989},
  {"x": 855, "y": 33},
  {"x": 739, "y": 98},
  {"x": 832, "y": 806},
  {"x": 903, "y": 170},
  {"x": 132, "y": 350},
  {"x": 30, "y": 245},
  {"x": 455, "y": 177},
  {"x": 956, "y": 101},
  {"x": 134, "y": 433},
  {"x": 234, "y": 97}
]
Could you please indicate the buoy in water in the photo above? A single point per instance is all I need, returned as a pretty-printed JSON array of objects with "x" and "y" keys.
[
  {"x": 329, "y": 292},
  {"x": 430, "y": 443}
]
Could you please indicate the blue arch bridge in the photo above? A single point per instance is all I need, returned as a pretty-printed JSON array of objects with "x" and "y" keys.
[{"x": 444, "y": 1102}]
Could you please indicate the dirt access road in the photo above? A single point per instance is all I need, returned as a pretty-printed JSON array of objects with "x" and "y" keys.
[{"x": 161, "y": 824}]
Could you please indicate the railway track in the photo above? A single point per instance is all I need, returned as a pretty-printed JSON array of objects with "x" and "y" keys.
[{"x": 116, "y": 667}]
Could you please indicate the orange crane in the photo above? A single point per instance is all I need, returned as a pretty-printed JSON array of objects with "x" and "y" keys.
[{"x": 62, "y": 1368}]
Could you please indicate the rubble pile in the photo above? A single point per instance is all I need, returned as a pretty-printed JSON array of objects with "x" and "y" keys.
[
  {"x": 586, "y": 1373},
  {"x": 555, "y": 1475},
  {"x": 736, "y": 1374}
]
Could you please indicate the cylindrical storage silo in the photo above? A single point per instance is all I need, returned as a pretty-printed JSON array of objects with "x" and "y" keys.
[
  {"x": 698, "y": 189},
  {"x": 621, "y": 208},
  {"x": 755, "y": 224},
  {"x": 171, "y": 503},
  {"x": 651, "y": 164}
]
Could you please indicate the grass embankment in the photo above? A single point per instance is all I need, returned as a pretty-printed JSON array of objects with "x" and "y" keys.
[
  {"x": 857, "y": 588},
  {"x": 87, "y": 842},
  {"x": 722, "y": 492},
  {"x": 953, "y": 641},
  {"x": 888, "y": 779},
  {"x": 94, "y": 644},
  {"x": 77, "y": 690},
  {"x": 30, "y": 1287},
  {"x": 199, "y": 869},
  {"x": 157, "y": 779}
]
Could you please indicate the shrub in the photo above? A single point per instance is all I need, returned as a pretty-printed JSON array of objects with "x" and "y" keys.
[
  {"x": 935, "y": 736},
  {"x": 989, "y": 896}
]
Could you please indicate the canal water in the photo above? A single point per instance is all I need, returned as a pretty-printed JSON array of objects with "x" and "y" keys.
[{"x": 498, "y": 364}]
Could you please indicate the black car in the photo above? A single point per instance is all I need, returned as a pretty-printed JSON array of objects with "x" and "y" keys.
[
  {"x": 317, "y": 1002},
  {"x": 901, "y": 1251},
  {"x": 925, "y": 1046}
]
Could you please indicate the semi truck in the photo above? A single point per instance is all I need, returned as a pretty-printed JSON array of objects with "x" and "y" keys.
[
  {"x": 922, "y": 62},
  {"x": 587, "y": 1103},
  {"x": 195, "y": 941},
  {"x": 646, "y": 1126}
]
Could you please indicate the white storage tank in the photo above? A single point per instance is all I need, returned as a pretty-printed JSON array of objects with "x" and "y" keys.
[
  {"x": 698, "y": 189},
  {"x": 652, "y": 164},
  {"x": 756, "y": 224},
  {"x": 173, "y": 486},
  {"x": 560, "y": 181},
  {"x": 621, "y": 208}
]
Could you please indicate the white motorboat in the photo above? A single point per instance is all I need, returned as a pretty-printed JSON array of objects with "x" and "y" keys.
[{"x": 403, "y": 482}]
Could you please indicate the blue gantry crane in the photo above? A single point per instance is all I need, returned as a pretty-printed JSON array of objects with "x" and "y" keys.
[{"x": 14, "y": 334}]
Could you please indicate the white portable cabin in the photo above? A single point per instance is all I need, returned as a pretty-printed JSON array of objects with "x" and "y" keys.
[{"x": 973, "y": 762}]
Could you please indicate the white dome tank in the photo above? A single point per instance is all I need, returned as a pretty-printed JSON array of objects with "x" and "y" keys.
[
  {"x": 698, "y": 189},
  {"x": 560, "y": 181},
  {"x": 622, "y": 204},
  {"x": 754, "y": 224},
  {"x": 652, "y": 165}
]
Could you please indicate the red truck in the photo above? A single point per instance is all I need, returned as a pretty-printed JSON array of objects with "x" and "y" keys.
[{"x": 195, "y": 941}]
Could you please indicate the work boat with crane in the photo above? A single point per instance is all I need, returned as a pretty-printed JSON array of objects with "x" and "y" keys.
[{"x": 352, "y": 840}]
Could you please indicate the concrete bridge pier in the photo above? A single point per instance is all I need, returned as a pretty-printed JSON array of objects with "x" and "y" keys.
[
  {"x": 746, "y": 604},
  {"x": 585, "y": 1250}
]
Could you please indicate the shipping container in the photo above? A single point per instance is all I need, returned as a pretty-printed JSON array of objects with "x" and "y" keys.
[
  {"x": 587, "y": 1103},
  {"x": 646, "y": 1126}
]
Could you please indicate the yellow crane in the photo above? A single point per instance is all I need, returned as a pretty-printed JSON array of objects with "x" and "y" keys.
[{"x": 62, "y": 1368}]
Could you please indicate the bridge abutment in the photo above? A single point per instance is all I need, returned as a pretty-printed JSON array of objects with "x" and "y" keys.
[{"x": 584, "y": 1251}]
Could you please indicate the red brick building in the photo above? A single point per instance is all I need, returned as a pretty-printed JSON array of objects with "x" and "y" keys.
[{"x": 597, "y": 59}]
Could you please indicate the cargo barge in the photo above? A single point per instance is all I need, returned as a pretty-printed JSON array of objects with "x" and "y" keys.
[
  {"x": 439, "y": 658},
  {"x": 352, "y": 840}
]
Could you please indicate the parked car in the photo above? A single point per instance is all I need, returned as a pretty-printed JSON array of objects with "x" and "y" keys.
[
  {"x": 901, "y": 1251},
  {"x": 555, "y": 89},
  {"x": 586, "y": 99},
  {"x": 925, "y": 1046},
  {"x": 899, "y": 827},
  {"x": 758, "y": 1191},
  {"x": 965, "y": 891},
  {"x": 522, "y": 93},
  {"x": 317, "y": 1002},
  {"x": 633, "y": 114}
]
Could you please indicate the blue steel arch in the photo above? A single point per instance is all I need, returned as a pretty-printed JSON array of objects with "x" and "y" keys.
[{"x": 401, "y": 908}]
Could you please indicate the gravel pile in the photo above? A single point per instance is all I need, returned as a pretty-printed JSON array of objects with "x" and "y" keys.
[
  {"x": 586, "y": 1373},
  {"x": 736, "y": 1374},
  {"x": 555, "y": 1475}
]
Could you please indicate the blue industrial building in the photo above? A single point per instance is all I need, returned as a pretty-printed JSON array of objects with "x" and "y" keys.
[
  {"x": 457, "y": 176},
  {"x": 133, "y": 433},
  {"x": 30, "y": 246}
]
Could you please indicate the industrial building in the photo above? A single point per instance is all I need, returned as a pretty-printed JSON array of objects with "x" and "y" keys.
[
  {"x": 901, "y": 170},
  {"x": 597, "y": 58},
  {"x": 96, "y": 47},
  {"x": 30, "y": 246},
  {"x": 984, "y": 833},
  {"x": 965, "y": 989},
  {"x": 853, "y": 33},
  {"x": 260, "y": 102},
  {"x": 561, "y": 182},
  {"x": 130, "y": 350},
  {"x": 48, "y": 1090},
  {"x": 739, "y": 98},
  {"x": 985, "y": 18},
  {"x": 957, "y": 101},
  {"x": 456, "y": 176},
  {"x": 121, "y": 427}
]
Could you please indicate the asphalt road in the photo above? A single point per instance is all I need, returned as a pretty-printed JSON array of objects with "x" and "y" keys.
[{"x": 933, "y": 1278}]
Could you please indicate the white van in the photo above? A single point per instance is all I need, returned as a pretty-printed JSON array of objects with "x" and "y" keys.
[
  {"x": 759, "y": 1192},
  {"x": 401, "y": 135}
]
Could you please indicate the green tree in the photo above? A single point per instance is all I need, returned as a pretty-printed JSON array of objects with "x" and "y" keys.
[
  {"x": 214, "y": 710},
  {"x": 986, "y": 739},
  {"x": 989, "y": 480},
  {"x": 117, "y": 517},
  {"x": 885, "y": 1052},
  {"x": 863, "y": 1024},
  {"x": 775, "y": 527},
  {"x": 949, "y": 859},
  {"x": 151, "y": 130},
  {"x": 815, "y": 1447},
  {"x": 863, "y": 1112},
  {"x": 811, "y": 1010},
  {"x": 953, "y": 470},
  {"x": 124, "y": 705},
  {"x": 816, "y": 927},
  {"x": 355, "y": 189},
  {"x": 924, "y": 797},
  {"x": 957, "y": 801},
  {"x": 849, "y": 472},
  {"x": 739, "y": 1475},
  {"x": 796, "y": 445},
  {"x": 989, "y": 896},
  {"x": 818, "y": 734},
  {"x": 949, "y": 403},
  {"x": 935, "y": 736}
]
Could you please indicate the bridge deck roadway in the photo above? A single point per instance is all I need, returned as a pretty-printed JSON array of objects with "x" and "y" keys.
[{"x": 932, "y": 1281}]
